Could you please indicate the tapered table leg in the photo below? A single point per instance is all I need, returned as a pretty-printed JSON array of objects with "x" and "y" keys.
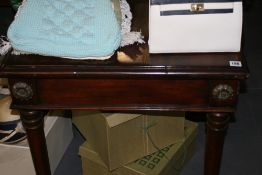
[
  {"x": 216, "y": 127},
  {"x": 33, "y": 122}
]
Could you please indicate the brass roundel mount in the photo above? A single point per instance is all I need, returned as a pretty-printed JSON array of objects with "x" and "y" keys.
[
  {"x": 22, "y": 91},
  {"x": 223, "y": 92}
]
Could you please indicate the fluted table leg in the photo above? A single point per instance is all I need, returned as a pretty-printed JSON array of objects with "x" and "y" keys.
[
  {"x": 216, "y": 127},
  {"x": 33, "y": 122}
]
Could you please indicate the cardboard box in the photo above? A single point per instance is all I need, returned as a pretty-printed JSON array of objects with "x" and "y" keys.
[
  {"x": 16, "y": 159},
  {"x": 167, "y": 161},
  {"x": 122, "y": 138}
]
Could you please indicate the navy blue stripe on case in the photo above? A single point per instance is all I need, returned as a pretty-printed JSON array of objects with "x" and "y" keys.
[
  {"x": 188, "y": 12},
  {"x": 10, "y": 125},
  {"x": 160, "y": 2}
]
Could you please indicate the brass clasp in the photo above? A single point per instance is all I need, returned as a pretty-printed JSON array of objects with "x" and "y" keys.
[{"x": 197, "y": 7}]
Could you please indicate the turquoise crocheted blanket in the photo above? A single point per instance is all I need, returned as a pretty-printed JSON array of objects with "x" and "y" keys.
[{"x": 66, "y": 28}]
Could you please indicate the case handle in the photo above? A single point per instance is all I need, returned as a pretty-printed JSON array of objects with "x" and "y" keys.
[{"x": 197, "y": 7}]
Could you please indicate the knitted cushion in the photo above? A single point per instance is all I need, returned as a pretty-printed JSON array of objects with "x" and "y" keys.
[
  {"x": 117, "y": 10},
  {"x": 66, "y": 28}
]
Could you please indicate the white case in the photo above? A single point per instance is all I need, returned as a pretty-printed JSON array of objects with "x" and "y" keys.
[{"x": 175, "y": 28}]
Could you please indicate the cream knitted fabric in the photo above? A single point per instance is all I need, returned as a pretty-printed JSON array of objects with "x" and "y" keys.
[
  {"x": 5, "y": 46},
  {"x": 128, "y": 37}
]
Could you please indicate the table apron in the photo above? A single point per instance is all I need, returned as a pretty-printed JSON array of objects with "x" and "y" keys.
[{"x": 120, "y": 93}]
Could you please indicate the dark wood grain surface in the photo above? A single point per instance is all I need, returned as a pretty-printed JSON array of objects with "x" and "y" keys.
[{"x": 131, "y": 74}]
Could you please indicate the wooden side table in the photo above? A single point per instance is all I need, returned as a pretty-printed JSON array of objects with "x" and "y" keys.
[{"x": 132, "y": 80}]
